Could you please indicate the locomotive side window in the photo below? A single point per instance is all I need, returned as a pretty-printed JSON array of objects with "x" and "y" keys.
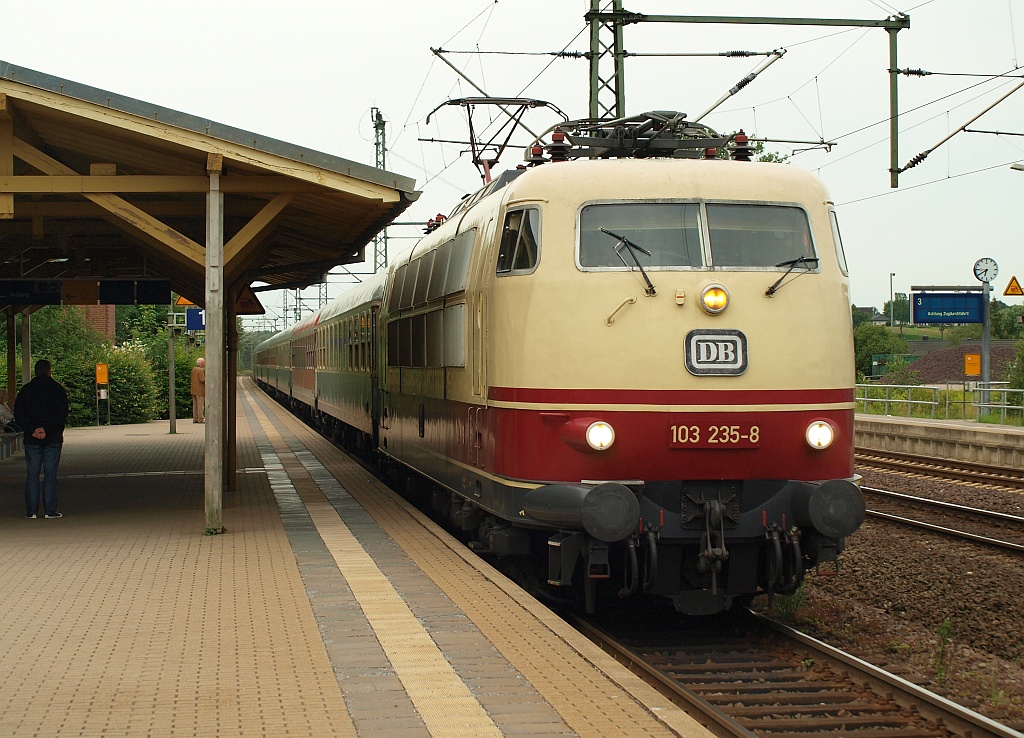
[
  {"x": 458, "y": 266},
  {"x": 757, "y": 235},
  {"x": 426, "y": 269},
  {"x": 520, "y": 242},
  {"x": 409, "y": 286},
  {"x": 439, "y": 271},
  {"x": 840, "y": 252},
  {"x": 435, "y": 338},
  {"x": 396, "y": 288},
  {"x": 454, "y": 335},
  {"x": 670, "y": 231}
]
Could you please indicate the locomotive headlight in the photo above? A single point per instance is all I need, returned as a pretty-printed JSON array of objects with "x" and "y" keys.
[
  {"x": 714, "y": 299},
  {"x": 600, "y": 435},
  {"x": 820, "y": 434}
]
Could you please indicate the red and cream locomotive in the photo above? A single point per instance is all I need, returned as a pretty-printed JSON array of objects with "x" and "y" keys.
[{"x": 634, "y": 374}]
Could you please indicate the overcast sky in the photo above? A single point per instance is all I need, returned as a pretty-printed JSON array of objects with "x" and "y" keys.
[{"x": 309, "y": 72}]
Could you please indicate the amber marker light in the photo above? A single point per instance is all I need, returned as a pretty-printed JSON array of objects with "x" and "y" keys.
[
  {"x": 600, "y": 435},
  {"x": 714, "y": 299},
  {"x": 820, "y": 435}
]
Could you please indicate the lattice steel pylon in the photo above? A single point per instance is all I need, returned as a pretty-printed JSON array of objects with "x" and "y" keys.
[
  {"x": 607, "y": 69},
  {"x": 380, "y": 241}
]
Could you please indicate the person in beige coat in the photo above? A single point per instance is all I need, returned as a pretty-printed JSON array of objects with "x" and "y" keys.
[{"x": 198, "y": 391}]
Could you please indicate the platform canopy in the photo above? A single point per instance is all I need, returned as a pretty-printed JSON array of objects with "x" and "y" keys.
[{"x": 96, "y": 185}]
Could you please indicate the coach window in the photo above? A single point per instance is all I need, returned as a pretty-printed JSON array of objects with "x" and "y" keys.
[
  {"x": 520, "y": 242},
  {"x": 757, "y": 235},
  {"x": 670, "y": 231}
]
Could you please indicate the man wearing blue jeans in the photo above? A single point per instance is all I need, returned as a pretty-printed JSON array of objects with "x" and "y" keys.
[{"x": 42, "y": 412}]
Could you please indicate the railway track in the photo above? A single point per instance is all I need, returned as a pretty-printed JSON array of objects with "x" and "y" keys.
[
  {"x": 961, "y": 471},
  {"x": 749, "y": 676},
  {"x": 991, "y": 528}
]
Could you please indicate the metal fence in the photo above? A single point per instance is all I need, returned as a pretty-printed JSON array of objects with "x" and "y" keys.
[{"x": 963, "y": 400}]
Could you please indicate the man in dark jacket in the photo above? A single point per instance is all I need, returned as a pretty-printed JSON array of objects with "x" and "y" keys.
[{"x": 42, "y": 412}]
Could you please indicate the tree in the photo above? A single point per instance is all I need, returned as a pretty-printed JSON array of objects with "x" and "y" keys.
[
  {"x": 62, "y": 335},
  {"x": 1015, "y": 374},
  {"x": 869, "y": 340},
  {"x": 900, "y": 309},
  {"x": 900, "y": 371},
  {"x": 1005, "y": 320},
  {"x": 136, "y": 321},
  {"x": 861, "y": 315},
  {"x": 967, "y": 332}
]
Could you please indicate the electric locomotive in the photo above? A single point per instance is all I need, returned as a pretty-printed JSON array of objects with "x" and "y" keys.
[{"x": 634, "y": 375}]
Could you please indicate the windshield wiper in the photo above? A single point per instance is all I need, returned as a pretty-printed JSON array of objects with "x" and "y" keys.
[
  {"x": 633, "y": 248},
  {"x": 792, "y": 264}
]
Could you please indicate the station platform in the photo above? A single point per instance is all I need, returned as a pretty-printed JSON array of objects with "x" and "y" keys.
[
  {"x": 960, "y": 440},
  {"x": 329, "y": 607}
]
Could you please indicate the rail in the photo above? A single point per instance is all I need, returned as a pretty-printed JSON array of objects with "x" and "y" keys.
[{"x": 739, "y": 679}]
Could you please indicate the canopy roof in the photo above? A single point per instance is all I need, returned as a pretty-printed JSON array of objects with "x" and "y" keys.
[{"x": 95, "y": 185}]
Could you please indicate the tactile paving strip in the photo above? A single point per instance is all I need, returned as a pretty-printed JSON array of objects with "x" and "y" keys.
[{"x": 536, "y": 644}]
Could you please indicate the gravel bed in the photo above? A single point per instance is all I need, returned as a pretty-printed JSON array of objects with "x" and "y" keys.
[{"x": 943, "y": 614}]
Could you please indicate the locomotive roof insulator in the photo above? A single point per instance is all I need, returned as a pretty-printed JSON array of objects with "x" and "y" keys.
[
  {"x": 741, "y": 150},
  {"x": 434, "y": 223},
  {"x": 536, "y": 157},
  {"x": 711, "y": 153},
  {"x": 558, "y": 149}
]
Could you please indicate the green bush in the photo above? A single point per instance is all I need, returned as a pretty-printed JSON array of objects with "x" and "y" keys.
[{"x": 132, "y": 386}]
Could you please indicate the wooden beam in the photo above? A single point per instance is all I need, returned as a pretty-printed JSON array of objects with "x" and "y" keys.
[
  {"x": 6, "y": 156},
  {"x": 235, "y": 208},
  {"x": 81, "y": 184},
  {"x": 122, "y": 213},
  {"x": 256, "y": 230},
  {"x": 274, "y": 163}
]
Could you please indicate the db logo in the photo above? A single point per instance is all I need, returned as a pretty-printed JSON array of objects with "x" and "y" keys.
[{"x": 716, "y": 352}]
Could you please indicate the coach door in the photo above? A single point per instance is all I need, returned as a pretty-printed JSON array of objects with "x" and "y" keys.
[{"x": 376, "y": 395}]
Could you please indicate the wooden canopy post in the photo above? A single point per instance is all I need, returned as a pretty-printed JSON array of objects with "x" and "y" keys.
[
  {"x": 214, "y": 461},
  {"x": 231, "y": 448}
]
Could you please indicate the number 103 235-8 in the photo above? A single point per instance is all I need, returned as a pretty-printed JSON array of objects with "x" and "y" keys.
[{"x": 714, "y": 436}]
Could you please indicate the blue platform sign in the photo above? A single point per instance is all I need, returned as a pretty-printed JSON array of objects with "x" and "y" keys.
[
  {"x": 195, "y": 320},
  {"x": 948, "y": 307}
]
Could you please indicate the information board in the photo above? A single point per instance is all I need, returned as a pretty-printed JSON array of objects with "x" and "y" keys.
[{"x": 948, "y": 307}]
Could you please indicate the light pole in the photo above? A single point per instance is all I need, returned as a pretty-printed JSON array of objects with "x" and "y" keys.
[{"x": 891, "y": 322}]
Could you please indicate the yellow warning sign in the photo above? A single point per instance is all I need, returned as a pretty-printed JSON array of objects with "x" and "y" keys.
[
  {"x": 248, "y": 304},
  {"x": 1013, "y": 288},
  {"x": 183, "y": 301}
]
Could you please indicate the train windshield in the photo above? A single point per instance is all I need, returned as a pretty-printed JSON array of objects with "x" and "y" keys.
[
  {"x": 669, "y": 231},
  {"x": 757, "y": 235},
  {"x": 738, "y": 235}
]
